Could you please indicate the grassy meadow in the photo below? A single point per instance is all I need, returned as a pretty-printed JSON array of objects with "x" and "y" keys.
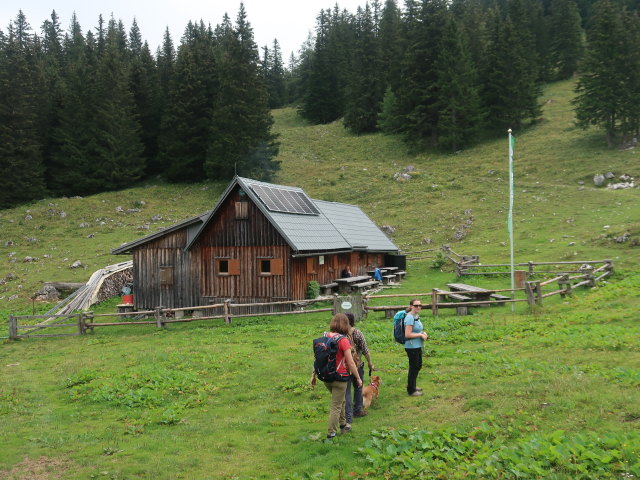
[{"x": 550, "y": 393}]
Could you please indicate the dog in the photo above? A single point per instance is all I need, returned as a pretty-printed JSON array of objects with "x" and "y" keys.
[{"x": 371, "y": 391}]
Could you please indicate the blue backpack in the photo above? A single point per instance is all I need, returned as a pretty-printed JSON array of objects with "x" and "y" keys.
[{"x": 398, "y": 327}]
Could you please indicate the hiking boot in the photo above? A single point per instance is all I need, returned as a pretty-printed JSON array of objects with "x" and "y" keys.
[
  {"x": 418, "y": 389},
  {"x": 417, "y": 393},
  {"x": 331, "y": 436},
  {"x": 345, "y": 428},
  {"x": 361, "y": 413}
]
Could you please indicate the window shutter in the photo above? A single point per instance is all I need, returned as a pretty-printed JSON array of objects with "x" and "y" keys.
[
  {"x": 311, "y": 264},
  {"x": 277, "y": 266},
  {"x": 234, "y": 266}
]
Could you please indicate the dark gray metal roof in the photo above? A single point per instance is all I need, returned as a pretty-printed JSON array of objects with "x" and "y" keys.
[
  {"x": 337, "y": 226},
  {"x": 356, "y": 227},
  {"x": 193, "y": 224}
]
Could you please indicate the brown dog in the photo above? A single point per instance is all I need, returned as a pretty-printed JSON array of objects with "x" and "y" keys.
[{"x": 371, "y": 391}]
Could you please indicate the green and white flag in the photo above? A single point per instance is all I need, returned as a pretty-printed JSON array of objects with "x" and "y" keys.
[{"x": 510, "y": 218}]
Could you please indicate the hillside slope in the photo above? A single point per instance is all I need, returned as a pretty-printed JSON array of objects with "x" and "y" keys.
[{"x": 555, "y": 218}]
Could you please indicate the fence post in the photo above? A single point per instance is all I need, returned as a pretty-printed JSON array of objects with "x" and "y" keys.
[
  {"x": 528, "y": 288},
  {"x": 609, "y": 267},
  {"x": 88, "y": 320},
  {"x": 434, "y": 302},
  {"x": 13, "y": 328},
  {"x": 159, "y": 316},
  {"x": 538, "y": 293},
  {"x": 227, "y": 311},
  {"x": 531, "y": 265},
  {"x": 81, "y": 327}
]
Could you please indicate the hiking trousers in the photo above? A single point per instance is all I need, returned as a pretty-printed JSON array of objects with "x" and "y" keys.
[
  {"x": 337, "y": 409},
  {"x": 415, "y": 365}
]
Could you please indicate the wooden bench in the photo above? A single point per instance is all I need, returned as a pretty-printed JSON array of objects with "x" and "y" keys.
[
  {"x": 387, "y": 279},
  {"x": 458, "y": 297},
  {"x": 500, "y": 298},
  {"x": 400, "y": 275},
  {"x": 329, "y": 288},
  {"x": 125, "y": 308},
  {"x": 359, "y": 287}
]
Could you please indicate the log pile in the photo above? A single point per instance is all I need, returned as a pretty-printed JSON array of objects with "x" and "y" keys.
[{"x": 104, "y": 283}]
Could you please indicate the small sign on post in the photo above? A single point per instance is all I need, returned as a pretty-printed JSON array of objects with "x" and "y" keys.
[{"x": 349, "y": 304}]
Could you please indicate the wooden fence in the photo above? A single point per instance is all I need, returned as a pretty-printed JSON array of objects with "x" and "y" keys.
[
  {"x": 473, "y": 267},
  {"x": 79, "y": 323},
  {"x": 532, "y": 290}
]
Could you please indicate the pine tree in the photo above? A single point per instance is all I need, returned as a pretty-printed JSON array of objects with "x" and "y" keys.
[
  {"x": 566, "y": 38},
  {"x": 241, "y": 138},
  {"x": 73, "y": 152},
  {"x": 145, "y": 86},
  {"x": 21, "y": 163},
  {"x": 276, "y": 78},
  {"x": 322, "y": 102},
  {"x": 186, "y": 122},
  {"x": 458, "y": 102},
  {"x": 418, "y": 93},
  {"x": 366, "y": 87},
  {"x": 52, "y": 100},
  {"x": 607, "y": 82},
  {"x": 390, "y": 44},
  {"x": 119, "y": 148},
  {"x": 510, "y": 87}
]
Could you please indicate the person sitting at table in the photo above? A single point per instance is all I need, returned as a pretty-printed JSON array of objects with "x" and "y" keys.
[{"x": 346, "y": 272}]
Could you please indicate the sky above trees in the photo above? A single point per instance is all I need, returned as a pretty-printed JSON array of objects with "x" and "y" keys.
[{"x": 287, "y": 20}]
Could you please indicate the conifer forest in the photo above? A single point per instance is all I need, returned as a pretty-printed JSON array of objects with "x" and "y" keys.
[{"x": 93, "y": 109}]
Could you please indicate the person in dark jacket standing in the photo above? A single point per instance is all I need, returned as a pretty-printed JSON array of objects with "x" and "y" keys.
[
  {"x": 358, "y": 350},
  {"x": 415, "y": 335}
]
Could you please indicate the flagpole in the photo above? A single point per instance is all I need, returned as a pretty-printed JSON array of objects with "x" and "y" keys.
[{"x": 510, "y": 219}]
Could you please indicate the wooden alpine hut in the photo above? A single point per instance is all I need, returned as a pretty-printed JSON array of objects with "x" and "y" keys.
[{"x": 260, "y": 243}]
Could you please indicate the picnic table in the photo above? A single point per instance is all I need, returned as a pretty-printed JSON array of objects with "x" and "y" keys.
[
  {"x": 477, "y": 293},
  {"x": 344, "y": 284}
]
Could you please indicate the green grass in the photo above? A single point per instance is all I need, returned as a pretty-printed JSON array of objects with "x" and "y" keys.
[{"x": 549, "y": 393}]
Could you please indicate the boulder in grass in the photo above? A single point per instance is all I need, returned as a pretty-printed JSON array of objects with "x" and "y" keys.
[
  {"x": 598, "y": 180},
  {"x": 76, "y": 264}
]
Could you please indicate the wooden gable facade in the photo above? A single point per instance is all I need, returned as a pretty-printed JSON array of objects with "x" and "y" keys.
[{"x": 238, "y": 254}]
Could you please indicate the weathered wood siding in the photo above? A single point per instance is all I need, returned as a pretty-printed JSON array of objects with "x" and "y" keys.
[
  {"x": 165, "y": 253},
  {"x": 248, "y": 240},
  {"x": 167, "y": 275}
]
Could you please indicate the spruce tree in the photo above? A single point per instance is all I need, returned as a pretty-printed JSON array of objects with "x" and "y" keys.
[
  {"x": 21, "y": 162},
  {"x": 566, "y": 38},
  {"x": 418, "y": 94},
  {"x": 322, "y": 101},
  {"x": 241, "y": 137},
  {"x": 390, "y": 44},
  {"x": 119, "y": 148},
  {"x": 607, "y": 81},
  {"x": 366, "y": 87},
  {"x": 186, "y": 122},
  {"x": 510, "y": 87},
  {"x": 458, "y": 100},
  {"x": 145, "y": 86}
]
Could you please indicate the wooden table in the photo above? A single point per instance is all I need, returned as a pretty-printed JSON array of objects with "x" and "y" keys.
[
  {"x": 344, "y": 284},
  {"x": 477, "y": 293}
]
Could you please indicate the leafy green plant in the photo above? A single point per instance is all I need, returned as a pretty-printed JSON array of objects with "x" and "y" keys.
[{"x": 313, "y": 289}]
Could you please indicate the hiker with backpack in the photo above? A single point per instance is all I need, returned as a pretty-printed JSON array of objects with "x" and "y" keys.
[
  {"x": 359, "y": 348},
  {"x": 333, "y": 363},
  {"x": 407, "y": 327}
]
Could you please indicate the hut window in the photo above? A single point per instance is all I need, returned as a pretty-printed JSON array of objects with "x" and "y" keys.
[
  {"x": 166, "y": 275},
  {"x": 242, "y": 210},
  {"x": 228, "y": 266},
  {"x": 270, "y": 266}
]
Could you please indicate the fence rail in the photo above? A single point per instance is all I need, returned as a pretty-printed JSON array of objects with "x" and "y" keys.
[
  {"x": 532, "y": 289},
  {"x": 79, "y": 323}
]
